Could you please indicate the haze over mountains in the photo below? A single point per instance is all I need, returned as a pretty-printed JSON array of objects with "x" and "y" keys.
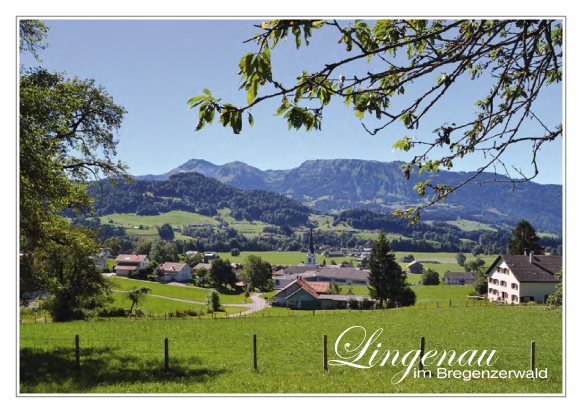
[{"x": 340, "y": 184}]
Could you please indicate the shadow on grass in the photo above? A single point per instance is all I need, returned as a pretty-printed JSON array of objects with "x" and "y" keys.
[{"x": 55, "y": 369}]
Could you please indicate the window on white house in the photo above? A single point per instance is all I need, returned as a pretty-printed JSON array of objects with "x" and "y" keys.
[{"x": 514, "y": 286}]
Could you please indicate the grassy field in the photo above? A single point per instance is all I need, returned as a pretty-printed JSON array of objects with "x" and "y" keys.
[
  {"x": 152, "y": 234},
  {"x": 176, "y": 218},
  {"x": 184, "y": 293},
  {"x": 447, "y": 260},
  {"x": 284, "y": 258},
  {"x": 466, "y": 225},
  {"x": 155, "y": 306},
  {"x": 216, "y": 355}
]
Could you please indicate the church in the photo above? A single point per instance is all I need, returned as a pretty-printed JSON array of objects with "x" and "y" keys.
[{"x": 313, "y": 272}]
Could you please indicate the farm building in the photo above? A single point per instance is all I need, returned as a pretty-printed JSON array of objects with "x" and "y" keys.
[
  {"x": 202, "y": 265},
  {"x": 307, "y": 295},
  {"x": 339, "y": 275},
  {"x": 175, "y": 271},
  {"x": 523, "y": 278},
  {"x": 460, "y": 278},
  {"x": 127, "y": 263},
  {"x": 415, "y": 267}
]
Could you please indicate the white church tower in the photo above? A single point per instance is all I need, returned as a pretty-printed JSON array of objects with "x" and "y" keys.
[{"x": 310, "y": 252}]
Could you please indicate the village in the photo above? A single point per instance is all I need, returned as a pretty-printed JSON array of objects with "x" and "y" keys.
[{"x": 511, "y": 279}]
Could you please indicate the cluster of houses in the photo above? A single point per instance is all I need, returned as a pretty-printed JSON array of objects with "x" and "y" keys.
[
  {"x": 126, "y": 264},
  {"x": 512, "y": 279}
]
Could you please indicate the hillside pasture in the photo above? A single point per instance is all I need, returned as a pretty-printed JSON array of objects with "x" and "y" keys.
[
  {"x": 175, "y": 218},
  {"x": 157, "y": 306},
  {"x": 182, "y": 292}
]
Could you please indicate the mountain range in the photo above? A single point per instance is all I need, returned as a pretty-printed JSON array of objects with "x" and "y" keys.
[{"x": 340, "y": 184}]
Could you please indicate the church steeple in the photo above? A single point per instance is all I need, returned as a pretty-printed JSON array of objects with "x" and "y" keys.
[{"x": 310, "y": 262}]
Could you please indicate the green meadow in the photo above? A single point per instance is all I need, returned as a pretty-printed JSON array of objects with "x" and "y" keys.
[
  {"x": 177, "y": 218},
  {"x": 216, "y": 355},
  {"x": 157, "y": 306},
  {"x": 185, "y": 293}
]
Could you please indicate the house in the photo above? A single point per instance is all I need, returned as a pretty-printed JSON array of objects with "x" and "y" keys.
[
  {"x": 307, "y": 295},
  {"x": 406, "y": 259},
  {"x": 428, "y": 261},
  {"x": 210, "y": 255},
  {"x": 332, "y": 253},
  {"x": 415, "y": 267},
  {"x": 100, "y": 260},
  {"x": 523, "y": 278},
  {"x": 202, "y": 265},
  {"x": 460, "y": 278},
  {"x": 175, "y": 271},
  {"x": 128, "y": 263}
]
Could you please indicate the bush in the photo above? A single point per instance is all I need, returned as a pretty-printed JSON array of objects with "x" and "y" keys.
[
  {"x": 366, "y": 304},
  {"x": 213, "y": 301},
  {"x": 353, "y": 303},
  {"x": 152, "y": 277},
  {"x": 407, "y": 297},
  {"x": 430, "y": 277},
  {"x": 113, "y": 312},
  {"x": 137, "y": 275},
  {"x": 190, "y": 312},
  {"x": 481, "y": 285}
]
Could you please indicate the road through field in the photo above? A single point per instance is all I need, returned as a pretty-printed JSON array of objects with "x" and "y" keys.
[{"x": 257, "y": 303}]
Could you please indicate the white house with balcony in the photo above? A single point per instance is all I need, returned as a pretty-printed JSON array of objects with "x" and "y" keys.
[
  {"x": 514, "y": 279},
  {"x": 127, "y": 263}
]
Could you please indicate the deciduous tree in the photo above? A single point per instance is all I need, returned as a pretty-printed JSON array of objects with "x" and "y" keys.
[
  {"x": 430, "y": 277},
  {"x": 517, "y": 58},
  {"x": 137, "y": 295},
  {"x": 221, "y": 274},
  {"x": 66, "y": 129},
  {"x": 256, "y": 273}
]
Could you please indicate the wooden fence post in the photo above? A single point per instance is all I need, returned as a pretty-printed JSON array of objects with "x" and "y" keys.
[
  {"x": 325, "y": 353},
  {"x": 450, "y": 303},
  {"x": 77, "y": 353},
  {"x": 255, "y": 351},
  {"x": 166, "y": 354},
  {"x": 532, "y": 356},
  {"x": 437, "y": 304},
  {"x": 420, "y": 365}
]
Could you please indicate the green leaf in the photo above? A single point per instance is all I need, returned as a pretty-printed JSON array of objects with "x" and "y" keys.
[
  {"x": 251, "y": 121},
  {"x": 196, "y": 99},
  {"x": 252, "y": 91},
  {"x": 207, "y": 91}
]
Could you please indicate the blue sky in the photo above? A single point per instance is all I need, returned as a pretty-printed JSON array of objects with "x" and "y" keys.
[{"x": 152, "y": 67}]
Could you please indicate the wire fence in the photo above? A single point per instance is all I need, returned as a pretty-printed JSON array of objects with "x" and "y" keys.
[
  {"x": 63, "y": 356},
  {"x": 292, "y": 312}
]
